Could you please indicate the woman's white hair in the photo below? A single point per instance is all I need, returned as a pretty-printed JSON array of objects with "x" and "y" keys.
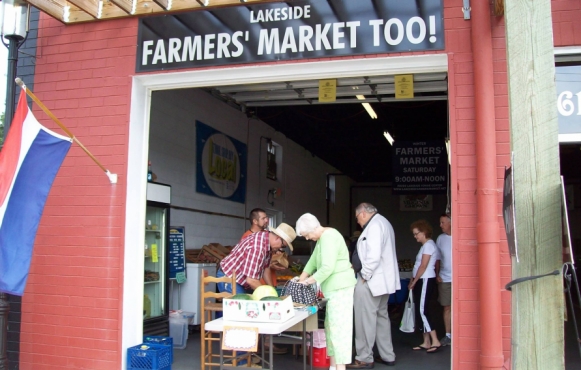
[{"x": 307, "y": 223}]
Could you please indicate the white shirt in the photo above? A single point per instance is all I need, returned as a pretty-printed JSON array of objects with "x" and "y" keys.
[
  {"x": 430, "y": 248},
  {"x": 444, "y": 244}
]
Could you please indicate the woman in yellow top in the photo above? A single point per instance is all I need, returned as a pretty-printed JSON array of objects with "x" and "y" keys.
[{"x": 329, "y": 266}]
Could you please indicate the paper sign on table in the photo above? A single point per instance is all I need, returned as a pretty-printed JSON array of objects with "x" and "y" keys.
[{"x": 237, "y": 338}]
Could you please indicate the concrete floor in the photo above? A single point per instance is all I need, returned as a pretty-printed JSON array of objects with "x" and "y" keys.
[{"x": 189, "y": 358}]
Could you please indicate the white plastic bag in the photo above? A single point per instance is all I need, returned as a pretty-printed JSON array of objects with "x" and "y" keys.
[{"x": 408, "y": 320}]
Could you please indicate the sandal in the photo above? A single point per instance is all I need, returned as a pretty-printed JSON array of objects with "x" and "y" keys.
[
  {"x": 433, "y": 349},
  {"x": 421, "y": 348}
]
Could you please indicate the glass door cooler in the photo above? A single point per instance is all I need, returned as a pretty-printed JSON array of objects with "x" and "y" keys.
[{"x": 155, "y": 254}]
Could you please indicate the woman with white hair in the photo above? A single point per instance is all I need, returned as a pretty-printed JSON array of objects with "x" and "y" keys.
[{"x": 330, "y": 267}]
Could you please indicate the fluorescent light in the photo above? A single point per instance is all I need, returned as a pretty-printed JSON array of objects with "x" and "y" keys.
[
  {"x": 369, "y": 110},
  {"x": 388, "y": 137},
  {"x": 367, "y": 107}
]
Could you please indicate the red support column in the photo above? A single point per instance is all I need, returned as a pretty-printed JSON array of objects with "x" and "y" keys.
[{"x": 491, "y": 356}]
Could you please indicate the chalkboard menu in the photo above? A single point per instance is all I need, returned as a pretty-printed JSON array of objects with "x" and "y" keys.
[{"x": 177, "y": 261}]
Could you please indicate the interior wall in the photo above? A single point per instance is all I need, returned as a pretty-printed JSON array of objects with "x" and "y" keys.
[
  {"x": 172, "y": 146},
  {"x": 388, "y": 206},
  {"x": 341, "y": 211}
]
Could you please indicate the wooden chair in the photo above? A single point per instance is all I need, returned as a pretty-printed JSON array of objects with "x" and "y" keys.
[{"x": 207, "y": 307}]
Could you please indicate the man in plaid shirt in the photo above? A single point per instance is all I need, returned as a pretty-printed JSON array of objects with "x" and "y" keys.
[{"x": 250, "y": 258}]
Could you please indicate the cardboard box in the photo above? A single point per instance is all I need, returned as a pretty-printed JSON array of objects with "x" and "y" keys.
[{"x": 258, "y": 311}]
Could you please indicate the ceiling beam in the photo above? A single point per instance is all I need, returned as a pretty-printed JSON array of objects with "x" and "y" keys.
[
  {"x": 82, "y": 11},
  {"x": 90, "y": 7}
]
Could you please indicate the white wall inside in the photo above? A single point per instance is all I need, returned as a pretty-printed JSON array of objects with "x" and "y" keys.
[{"x": 172, "y": 152}]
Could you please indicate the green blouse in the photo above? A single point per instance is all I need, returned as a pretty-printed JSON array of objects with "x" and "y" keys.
[{"x": 329, "y": 264}]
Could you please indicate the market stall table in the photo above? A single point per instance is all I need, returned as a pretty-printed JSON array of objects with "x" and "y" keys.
[{"x": 269, "y": 329}]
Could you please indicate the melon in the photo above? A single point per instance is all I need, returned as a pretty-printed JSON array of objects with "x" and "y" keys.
[
  {"x": 242, "y": 297},
  {"x": 264, "y": 291},
  {"x": 271, "y": 299}
]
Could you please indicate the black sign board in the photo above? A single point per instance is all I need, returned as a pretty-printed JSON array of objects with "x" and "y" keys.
[
  {"x": 508, "y": 211},
  {"x": 420, "y": 167},
  {"x": 300, "y": 29},
  {"x": 177, "y": 258}
]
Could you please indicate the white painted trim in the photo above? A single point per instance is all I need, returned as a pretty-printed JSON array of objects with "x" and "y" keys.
[
  {"x": 296, "y": 71},
  {"x": 567, "y": 50},
  {"x": 134, "y": 264},
  {"x": 570, "y": 138},
  {"x": 143, "y": 85}
]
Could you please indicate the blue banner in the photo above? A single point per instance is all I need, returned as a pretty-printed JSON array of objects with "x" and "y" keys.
[{"x": 220, "y": 164}]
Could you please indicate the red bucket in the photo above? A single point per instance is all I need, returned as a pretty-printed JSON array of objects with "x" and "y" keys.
[{"x": 320, "y": 358}]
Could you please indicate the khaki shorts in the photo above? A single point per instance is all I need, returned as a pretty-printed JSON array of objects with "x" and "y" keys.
[{"x": 445, "y": 294}]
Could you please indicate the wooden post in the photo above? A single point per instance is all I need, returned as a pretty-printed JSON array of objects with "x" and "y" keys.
[{"x": 537, "y": 305}]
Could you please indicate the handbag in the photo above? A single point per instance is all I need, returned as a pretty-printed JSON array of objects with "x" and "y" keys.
[
  {"x": 300, "y": 293},
  {"x": 408, "y": 320}
]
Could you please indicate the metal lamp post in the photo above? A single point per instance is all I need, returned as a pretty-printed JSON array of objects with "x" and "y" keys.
[{"x": 14, "y": 29}]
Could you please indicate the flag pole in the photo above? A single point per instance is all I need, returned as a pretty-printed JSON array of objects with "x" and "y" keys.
[{"x": 112, "y": 177}]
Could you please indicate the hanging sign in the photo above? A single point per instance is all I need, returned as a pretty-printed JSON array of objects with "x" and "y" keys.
[
  {"x": 221, "y": 164},
  {"x": 508, "y": 211},
  {"x": 327, "y": 91},
  {"x": 404, "y": 86},
  {"x": 177, "y": 260},
  {"x": 301, "y": 29},
  {"x": 420, "y": 167}
]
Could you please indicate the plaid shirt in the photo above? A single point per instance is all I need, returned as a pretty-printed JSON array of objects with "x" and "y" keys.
[{"x": 249, "y": 258}]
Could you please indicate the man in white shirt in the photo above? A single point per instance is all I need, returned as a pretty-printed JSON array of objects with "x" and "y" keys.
[{"x": 444, "y": 278}]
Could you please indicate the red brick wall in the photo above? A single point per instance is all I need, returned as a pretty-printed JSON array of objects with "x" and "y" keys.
[
  {"x": 71, "y": 312},
  {"x": 566, "y": 25},
  {"x": 72, "y": 304}
]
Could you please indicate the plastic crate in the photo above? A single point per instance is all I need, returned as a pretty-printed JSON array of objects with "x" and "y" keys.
[
  {"x": 166, "y": 341},
  {"x": 149, "y": 356},
  {"x": 178, "y": 330}
]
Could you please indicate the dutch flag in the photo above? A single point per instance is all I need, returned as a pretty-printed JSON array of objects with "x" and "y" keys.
[{"x": 29, "y": 162}]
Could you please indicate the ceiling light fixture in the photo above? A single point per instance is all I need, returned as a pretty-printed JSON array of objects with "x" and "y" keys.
[
  {"x": 367, "y": 107},
  {"x": 388, "y": 137}
]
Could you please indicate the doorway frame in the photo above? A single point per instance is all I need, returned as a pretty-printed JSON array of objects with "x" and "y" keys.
[{"x": 138, "y": 141}]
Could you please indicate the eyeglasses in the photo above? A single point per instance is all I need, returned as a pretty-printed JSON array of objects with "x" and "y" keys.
[{"x": 419, "y": 232}]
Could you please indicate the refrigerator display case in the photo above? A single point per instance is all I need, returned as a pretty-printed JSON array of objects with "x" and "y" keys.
[{"x": 155, "y": 254}]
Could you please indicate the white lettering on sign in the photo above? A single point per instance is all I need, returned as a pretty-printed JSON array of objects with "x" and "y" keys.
[
  {"x": 280, "y": 14},
  {"x": 566, "y": 105},
  {"x": 394, "y": 30},
  {"x": 318, "y": 37}
]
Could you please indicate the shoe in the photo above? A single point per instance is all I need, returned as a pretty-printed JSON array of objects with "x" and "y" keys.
[
  {"x": 434, "y": 349},
  {"x": 382, "y": 361},
  {"x": 360, "y": 365},
  {"x": 446, "y": 341}
]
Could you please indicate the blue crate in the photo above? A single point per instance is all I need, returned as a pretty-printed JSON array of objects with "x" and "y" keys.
[
  {"x": 149, "y": 356},
  {"x": 166, "y": 341}
]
